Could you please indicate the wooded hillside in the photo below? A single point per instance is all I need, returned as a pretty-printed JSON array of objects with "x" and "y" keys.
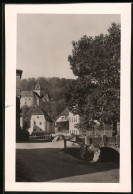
[{"x": 55, "y": 87}]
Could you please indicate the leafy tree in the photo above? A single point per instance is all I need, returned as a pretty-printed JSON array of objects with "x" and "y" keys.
[
  {"x": 95, "y": 94},
  {"x": 27, "y": 111}
]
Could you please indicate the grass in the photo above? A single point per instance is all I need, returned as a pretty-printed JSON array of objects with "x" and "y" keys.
[{"x": 51, "y": 164}]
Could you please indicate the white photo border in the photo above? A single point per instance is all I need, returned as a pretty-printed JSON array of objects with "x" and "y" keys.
[{"x": 11, "y": 11}]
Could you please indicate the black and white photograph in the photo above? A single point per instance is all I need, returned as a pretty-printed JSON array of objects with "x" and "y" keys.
[{"x": 68, "y": 96}]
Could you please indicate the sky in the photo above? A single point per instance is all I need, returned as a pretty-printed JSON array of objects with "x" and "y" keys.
[{"x": 44, "y": 41}]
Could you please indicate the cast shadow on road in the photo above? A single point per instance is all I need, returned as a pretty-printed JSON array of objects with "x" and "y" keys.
[{"x": 40, "y": 165}]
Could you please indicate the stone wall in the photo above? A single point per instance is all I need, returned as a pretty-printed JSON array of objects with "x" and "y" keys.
[
  {"x": 99, "y": 133},
  {"x": 113, "y": 142}
]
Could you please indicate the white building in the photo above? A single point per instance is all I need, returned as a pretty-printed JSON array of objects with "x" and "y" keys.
[
  {"x": 26, "y": 98},
  {"x": 40, "y": 121},
  {"x": 66, "y": 123},
  {"x": 31, "y": 98},
  {"x": 64, "y": 116},
  {"x": 73, "y": 120},
  {"x": 62, "y": 123}
]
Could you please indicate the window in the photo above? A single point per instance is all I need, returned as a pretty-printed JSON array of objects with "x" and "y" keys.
[
  {"x": 34, "y": 123},
  {"x": 37, "y": 116},
  {"x": 40, "y": 123},
  {"x": 29, "y": 99}
]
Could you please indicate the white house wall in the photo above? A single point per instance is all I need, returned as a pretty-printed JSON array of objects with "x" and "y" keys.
[
  {"x": 73, "y": 120},
  {"x": 26, "y": 101},
  {"x": 40, "y": 122}
]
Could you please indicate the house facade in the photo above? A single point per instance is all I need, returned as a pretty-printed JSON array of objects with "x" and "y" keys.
[
  {"x": 18, "y": 97},
  {"x": 31, "y": 98},
  {"x": 73, "y": 121},
  {"x": 70, "y": 120},
  {"x": 66, "y": 123},
  {"x": 21, "y": 134},
  {"x": 40, "y": 121},
  {"x": 26, "y": 98},
  {"x": 62, "y": 123}
]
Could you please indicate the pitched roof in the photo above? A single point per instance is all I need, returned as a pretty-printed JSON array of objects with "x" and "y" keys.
[
  {"x": 47, "y": 117},
  {"x": 36, "y": 94},
  {"x": 40, "y": 111},
  {"x": 37, "y": 111},
  {"x": 37, "y": 86},
  {"x": 37, "y": 129},
  {"x": 65, "y": 112},
  {"x": 29, "y": 94},
  {"x": 26, "y": 93}
]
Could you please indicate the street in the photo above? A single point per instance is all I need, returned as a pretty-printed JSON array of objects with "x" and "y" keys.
[{"x": 52, "y": 164}]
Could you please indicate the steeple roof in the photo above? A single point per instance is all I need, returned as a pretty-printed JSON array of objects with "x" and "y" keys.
[{"x": 37, "y": 86}]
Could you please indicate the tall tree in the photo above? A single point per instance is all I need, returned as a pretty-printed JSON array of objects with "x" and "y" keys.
[{"x": 96, "y": 91}]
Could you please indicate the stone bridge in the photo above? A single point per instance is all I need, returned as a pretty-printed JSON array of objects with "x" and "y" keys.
[
  {"x": 112, "y": 142},
  {"x": 97, "y": 142}
]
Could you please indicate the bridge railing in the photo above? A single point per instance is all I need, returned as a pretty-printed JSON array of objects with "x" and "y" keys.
[{"x": 103, "y": 141}]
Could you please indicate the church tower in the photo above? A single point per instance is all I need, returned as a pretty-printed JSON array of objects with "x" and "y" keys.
[{"x": 37, "y": 88}]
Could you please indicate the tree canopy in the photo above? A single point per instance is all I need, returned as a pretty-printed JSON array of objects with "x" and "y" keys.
[{"x": 95, "y": 94}]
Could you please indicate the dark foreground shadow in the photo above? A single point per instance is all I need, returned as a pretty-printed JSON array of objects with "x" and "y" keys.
[
  {"x": 109, "y": 155},
  {"x": 40, "y": 165}
]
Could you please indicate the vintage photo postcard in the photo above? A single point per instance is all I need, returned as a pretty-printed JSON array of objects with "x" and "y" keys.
[{"x": 67, "y": 116}]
